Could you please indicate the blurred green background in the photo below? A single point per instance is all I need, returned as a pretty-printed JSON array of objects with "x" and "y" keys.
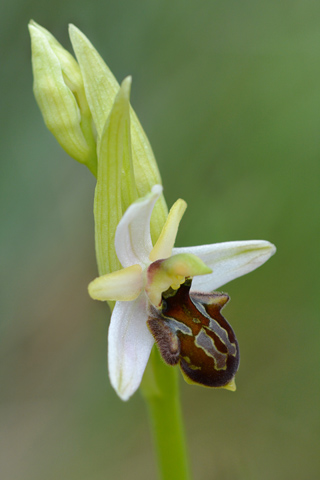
[{"x": 228, "y": 93}]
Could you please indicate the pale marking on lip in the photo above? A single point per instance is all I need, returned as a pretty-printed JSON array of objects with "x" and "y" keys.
[
  {"x": 215, "y": 327},
  {"x": 203, "y": 341}
]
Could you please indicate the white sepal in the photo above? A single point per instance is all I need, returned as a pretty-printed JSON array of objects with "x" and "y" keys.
[
  {"x": 132, "y": 240},
  {"x": 130, "y": 344},
  {"x": 228, "y": 260}
]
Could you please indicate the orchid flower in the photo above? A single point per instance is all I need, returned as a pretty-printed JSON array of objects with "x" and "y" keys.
[{"x": 149, "y": 271}]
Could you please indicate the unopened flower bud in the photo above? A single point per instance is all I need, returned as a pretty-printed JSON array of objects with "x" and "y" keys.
[{"x": 59, "y": 91}]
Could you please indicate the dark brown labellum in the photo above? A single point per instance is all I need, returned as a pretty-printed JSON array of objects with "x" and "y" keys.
[{"x": 189, "y": 329}]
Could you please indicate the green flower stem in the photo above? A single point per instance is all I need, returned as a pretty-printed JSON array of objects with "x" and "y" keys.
[{"x": 160, "y": 389}]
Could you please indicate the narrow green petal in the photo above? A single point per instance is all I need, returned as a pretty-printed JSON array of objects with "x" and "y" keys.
[
  {"x": 123, "y": 285},
  {"x": 165, "y": 242},
  {"x": 113, "y": 147},
  {"x": 101, "y": 88}
]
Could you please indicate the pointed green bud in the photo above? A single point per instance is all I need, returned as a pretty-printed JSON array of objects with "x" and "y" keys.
[
  {"x": 101, "y": 87},
  {"x": 59, "y": 91}
]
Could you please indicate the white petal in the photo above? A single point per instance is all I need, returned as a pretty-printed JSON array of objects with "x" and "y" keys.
[
  {"x": 125, "y": 284},
  {"x": 130, "y": 344},
  {"x": 132, "y": 240},
  {"x": 228, "y": 261}
]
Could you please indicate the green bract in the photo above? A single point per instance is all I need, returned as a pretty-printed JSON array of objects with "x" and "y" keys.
[{"x": 115, "y": 181}]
